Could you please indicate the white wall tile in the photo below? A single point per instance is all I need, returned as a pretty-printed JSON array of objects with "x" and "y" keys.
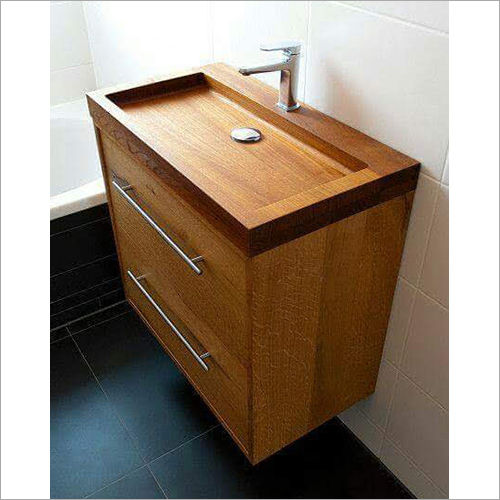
[
  {"x": 432, "y": 14},
  {"x": 419, "y": 426},
  {"x": 417, "y": 482},
  {"x": 435, "y": 273},
  {"x": 241, "y": 27},
  {"x": 376, "y": 406},
  {"x": 402, "y": 305},
  {"x": 419, "y": 227},
  {"x": 364, "y": 430},
  {"x": 425, "y": 359},
  {"x": 69, "y": 44},
  {"x": 383, "y": 77},
  {"x": 131, "y": 41},
  {"x": 71, "y": 84}
]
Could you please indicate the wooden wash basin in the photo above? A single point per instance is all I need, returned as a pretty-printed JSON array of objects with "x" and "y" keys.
[{"x": 267, "y": 269}]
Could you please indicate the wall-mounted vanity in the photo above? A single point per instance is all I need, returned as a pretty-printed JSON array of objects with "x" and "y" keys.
[{"x": 265, "y": 269}]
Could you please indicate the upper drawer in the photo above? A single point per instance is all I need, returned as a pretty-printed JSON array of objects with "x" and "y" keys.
[
  {"x": 193, "y": 234},
  {"x": 214, "y": 301}
]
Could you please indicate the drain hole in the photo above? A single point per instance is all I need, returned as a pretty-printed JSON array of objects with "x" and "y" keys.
[{"x": 245, "y": 134}]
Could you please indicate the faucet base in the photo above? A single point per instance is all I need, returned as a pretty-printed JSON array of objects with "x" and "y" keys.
[{"x": 288, "y": 108}]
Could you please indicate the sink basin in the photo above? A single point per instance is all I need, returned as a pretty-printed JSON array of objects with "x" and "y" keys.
[{"x": 307, "y": 171}]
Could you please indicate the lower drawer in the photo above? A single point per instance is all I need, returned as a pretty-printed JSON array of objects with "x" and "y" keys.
[{"x": 225, "y": 394}]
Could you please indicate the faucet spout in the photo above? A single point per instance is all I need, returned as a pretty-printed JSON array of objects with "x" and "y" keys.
[
  {"x": 289, "y": 72},
  {"x": 265, "y": 68}
]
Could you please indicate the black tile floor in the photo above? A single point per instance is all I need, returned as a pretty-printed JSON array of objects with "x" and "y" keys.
[{"x": 126, "y": 424}]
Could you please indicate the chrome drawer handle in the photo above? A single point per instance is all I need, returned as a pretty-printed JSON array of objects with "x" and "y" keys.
[
  {"x": 198, "y": 357},
  {"x": 190, "y": 262}
]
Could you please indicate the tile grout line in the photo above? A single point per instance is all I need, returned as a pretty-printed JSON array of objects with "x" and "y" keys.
[
  {"x": 361, "y": 442},
  {"x": 416, "y": 466},
  {"x": 212, "y": 31},
  {"x": 444, "y": 165},
  {"x": 83, "y": 265},
  {"x": 306, "y": 58},
  {"x": 71, "y": 67},
  {"x": 407, "y": 330},
  {"x": 372, "y": 422},
  {"x": 129, "y": 433},
  {"x": 80, "y": 225},
  {"x": 430, "y": 396},
  {"x": 143, "y": 466},
  {"x": 383, "y": 428},
  {"x": 394, "y": 18},
  {"x": 421, "y": 389},
  {"x": 115, "y": 481},
  {"x": 98, "y": 299},
  {"x": 86, "y": 289},
  {"x": 428, "y": 236},
  {"x": 386, "y": 438},
  {"x": 389, "y": 410},
  {"x": 91, "y": 46},
  {"x": 184, "y": 444},
  {"x": 436, "y": 301},
  {"x": 104, "y": 320},
  {"x": 75, "y": 306},
  {"x": 115, "y": 412},
  {"x": 62, "y": 338},
  {"x": 156, "y": 480},
  {"x": 69, "y": 323}
]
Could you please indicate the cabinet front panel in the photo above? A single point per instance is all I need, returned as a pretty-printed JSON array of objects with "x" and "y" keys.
[
  {"x": 212, "y": 303},
  {"x": 224, "y": 384}
]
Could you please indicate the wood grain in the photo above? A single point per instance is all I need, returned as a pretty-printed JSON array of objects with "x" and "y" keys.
[
  {"x": 286, "y": 298},
  {"x": 320, "y": 308},
  {"x": 307, "y": 172}
]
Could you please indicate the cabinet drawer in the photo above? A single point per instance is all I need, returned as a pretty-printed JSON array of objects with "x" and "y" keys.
[
  {"x": 225, "y": 393},
  {"x": 214, "y": 300},
  {"x": 135, "y": 258}
]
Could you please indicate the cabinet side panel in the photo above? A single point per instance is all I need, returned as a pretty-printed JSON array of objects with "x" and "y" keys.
[
  {"x": 104, "y": 170},
  {"x": 320, "y": 308},
  {"x": 361, "y": 268},
  {"x": 286, "y": 293}
]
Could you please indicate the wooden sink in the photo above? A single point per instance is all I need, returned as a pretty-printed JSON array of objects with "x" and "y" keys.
[{"x": 308, "y": 170}]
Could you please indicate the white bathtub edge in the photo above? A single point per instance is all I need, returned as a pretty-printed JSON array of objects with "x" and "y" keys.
[{"x": 87, "y": 196}]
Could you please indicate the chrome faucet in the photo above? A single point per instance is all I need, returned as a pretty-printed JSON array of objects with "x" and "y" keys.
[{"x": 289, "y": 68}]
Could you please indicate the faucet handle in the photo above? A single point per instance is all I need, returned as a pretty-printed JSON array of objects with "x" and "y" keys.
[{"x": 289, "y": 47}]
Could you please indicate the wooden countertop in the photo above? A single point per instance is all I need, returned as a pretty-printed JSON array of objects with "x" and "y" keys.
[{"x": 308, "y": 170}]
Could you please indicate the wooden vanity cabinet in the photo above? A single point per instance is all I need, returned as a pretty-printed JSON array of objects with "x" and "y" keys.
[{"x": 277, "y": 316}]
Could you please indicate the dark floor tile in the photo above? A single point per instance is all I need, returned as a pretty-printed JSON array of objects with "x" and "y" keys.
[
  {"x": 83, "y": 278},
  {"x": 77, "y": 219},
  {"x": 112, "y": 297},
  {"x": 89, "y": 446},
  {"x": 74, "y": 313},
  {"x": 81, "y": 245},
  {"x": 138, "y": 484},
  {"x": 58, "y": 334},
  {"x": 98, "y": 317},
  {"x": 157, "y": 404},
  {"x": 94, "y": 292},
  {"x": 328, "y": 463}
]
